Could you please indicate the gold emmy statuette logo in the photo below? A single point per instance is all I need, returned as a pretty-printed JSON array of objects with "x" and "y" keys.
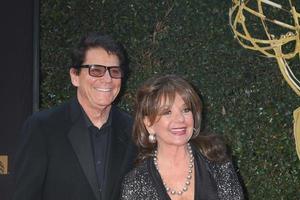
[
  {"x": 273, "y": 29},
  {"x": 3, "y": 164}
]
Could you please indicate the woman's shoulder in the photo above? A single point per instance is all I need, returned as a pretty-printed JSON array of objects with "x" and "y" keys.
[
  {"x": 138, "y": 172},
  {"x": 216, "y": 166},
  {"x": 225, "y": 176},
  {"x": 138, "y": 184}
]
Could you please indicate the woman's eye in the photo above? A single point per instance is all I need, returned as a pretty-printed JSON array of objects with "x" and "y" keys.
[
  {"x": 166, "y": 112},
  {"x": 186, "y": 110}
]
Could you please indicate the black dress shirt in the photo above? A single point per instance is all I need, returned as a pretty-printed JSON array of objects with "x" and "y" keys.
[{"x": 99, "y": 140}]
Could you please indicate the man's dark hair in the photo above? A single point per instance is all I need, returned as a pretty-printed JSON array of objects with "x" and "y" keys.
[{"x": 99, "y": 40}]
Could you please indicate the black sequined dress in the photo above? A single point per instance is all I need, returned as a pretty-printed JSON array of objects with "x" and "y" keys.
[{"x": 213, "y": 181}]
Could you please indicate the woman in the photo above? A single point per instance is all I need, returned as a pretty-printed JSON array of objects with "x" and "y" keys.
[{"x": 176, "y": 161}]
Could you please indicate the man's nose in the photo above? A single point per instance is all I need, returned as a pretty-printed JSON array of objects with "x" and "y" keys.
[{"x": 107, "y": 76}]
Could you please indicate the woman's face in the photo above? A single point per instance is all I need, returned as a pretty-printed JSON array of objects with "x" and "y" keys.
[{"x": 174, "y": 124}]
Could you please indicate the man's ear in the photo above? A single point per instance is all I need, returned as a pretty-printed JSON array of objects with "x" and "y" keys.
[
  {"x": 148, "y": 125},
  {"x": 74, "y": 76}
]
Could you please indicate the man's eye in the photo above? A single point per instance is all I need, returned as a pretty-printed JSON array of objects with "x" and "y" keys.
[
  {"x": 97, "y": 70},
  {"x": 116, "y": 71}
]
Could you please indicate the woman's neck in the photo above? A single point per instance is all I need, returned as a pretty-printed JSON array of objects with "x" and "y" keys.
[{"x": 172, "y": 156}]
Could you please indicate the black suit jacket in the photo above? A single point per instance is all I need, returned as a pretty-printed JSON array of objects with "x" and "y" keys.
[{"x": 56, "y": 161}]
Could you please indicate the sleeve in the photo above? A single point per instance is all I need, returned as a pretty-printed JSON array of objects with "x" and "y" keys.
[
  {"x": 228, "y": 183},
  {"x": 31, "y": 162},
  {"x": 128, "y": 188}
]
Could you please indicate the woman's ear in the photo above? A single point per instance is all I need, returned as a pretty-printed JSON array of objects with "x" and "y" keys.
[{"x": 148, "y": 125}]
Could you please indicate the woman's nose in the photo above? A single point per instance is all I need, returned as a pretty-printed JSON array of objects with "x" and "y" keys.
[{"x": 179, "y": 117}]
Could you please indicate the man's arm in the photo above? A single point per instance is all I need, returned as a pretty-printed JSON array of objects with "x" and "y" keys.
[{"x": 31, "y": 162}]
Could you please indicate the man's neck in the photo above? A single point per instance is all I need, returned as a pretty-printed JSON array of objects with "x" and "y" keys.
[{"x": 97, "y": 115}]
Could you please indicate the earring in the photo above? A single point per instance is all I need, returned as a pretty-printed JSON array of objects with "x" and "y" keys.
[{"x": 152, "y": 138}]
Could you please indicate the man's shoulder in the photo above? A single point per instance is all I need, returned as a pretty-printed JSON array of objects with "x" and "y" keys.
[
  {"x": 58, "y": 112},
  {"x": 121, "y": 115},
  {"x": 53, "y": 119}
]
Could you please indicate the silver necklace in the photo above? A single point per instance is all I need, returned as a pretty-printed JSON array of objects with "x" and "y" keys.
[{"x": 188, "y": 178}]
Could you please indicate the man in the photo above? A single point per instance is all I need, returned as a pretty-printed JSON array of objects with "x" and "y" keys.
[{"x": 80, "y": 150}]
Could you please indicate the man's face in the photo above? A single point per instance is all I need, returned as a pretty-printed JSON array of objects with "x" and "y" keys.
[{"x": 96, "y": 92}]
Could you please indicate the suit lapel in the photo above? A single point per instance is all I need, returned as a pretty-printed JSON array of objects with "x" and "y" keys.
[
  {"x": 116, "y": 155},
  {"x": 81, "y": 143}
]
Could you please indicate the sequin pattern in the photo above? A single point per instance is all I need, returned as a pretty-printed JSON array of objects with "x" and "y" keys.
[
  {"x": 227, "y": 182},
  {"x": 138, "y": 184}
]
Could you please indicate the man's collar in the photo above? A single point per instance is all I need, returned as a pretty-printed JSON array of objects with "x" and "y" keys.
[{"x": 89, "y": 123}]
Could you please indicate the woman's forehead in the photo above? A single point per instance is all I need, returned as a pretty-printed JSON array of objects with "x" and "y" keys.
[{"x": 168, "y": 100}]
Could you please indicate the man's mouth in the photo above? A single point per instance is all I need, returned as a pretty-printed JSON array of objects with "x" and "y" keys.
[{"x": 103, "y": 89}]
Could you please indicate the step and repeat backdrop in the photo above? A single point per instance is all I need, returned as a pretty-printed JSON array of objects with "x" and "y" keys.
[{"x": 17, "y": 63}]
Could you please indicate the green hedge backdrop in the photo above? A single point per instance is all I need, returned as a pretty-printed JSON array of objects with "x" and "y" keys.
[{"x": 246, "y": 98}]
